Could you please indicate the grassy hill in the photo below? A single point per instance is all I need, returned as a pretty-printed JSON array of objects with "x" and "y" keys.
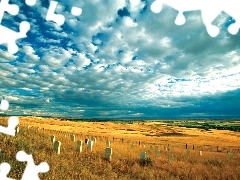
[{"x": 125, "y": 164}]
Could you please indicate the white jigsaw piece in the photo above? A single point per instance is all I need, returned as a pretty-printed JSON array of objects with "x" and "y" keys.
[
  {"x": 7, "y": 35},
  {"x": 210, "y": 9},
  {"x": 51, "y": 16},
  {"x": 12, "y": 121},
  {"x": 12, "y": 124},
  {"x": 59, "y": 18},
  {"x": 4, "y": 170},
  {"x": 4, "y": 105},
  {"x": 31, "y": 171},
  {"x": 30, "y": 2},
  {"x": 12, "y": 9}
]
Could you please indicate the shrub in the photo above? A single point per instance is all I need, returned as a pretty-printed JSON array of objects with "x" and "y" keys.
[
  {"x": 214, "y": 163},
  {"x": 147, "y": 161}
]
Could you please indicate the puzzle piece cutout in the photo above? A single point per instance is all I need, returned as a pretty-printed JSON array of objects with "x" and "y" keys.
[
  {"x": 12, "y": 9},
  {"x": 12, "y": 124},
  {"x": 4, "y": 170},
  {"x": 31, "y": 171},
  {"x": 76, "y": 11},
  {"x": 59, "y": 18},
  {"x": 4, "y": 105},
  {"x": 209, "y": 11},
  {"x": 30, "y": 2},
  {"x": 51, "y": 16},
  {"x": 7, "y": 35},
  {"x": 12, "y": 121}
]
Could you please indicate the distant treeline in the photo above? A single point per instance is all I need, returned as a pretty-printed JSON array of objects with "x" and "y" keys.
[{"x": 207, "y": 126}]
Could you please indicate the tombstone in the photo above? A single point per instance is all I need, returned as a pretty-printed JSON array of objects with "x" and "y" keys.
[
  {"x": 157, "y": 153},
  {"x": 17, "y": 129},
  {"x": 143, "y": 156},
  {"x": 28, "y": 126},
  {"x": 94, "y": 140},
  {"x": 86, "y": 141},
  {"x": 65, "y": 135},
  {"x": 108, "y": 154},
  {"x": 168, "y": 147},
  {"x": 230, "y": 154},
  {"x": 57, "y": 146},
  {"x": 72, "y": 137},
  {"x": 90, "y": 145},
  {"x": 165, "y": 148},
  {"x": 53, "y": 139},
  {"x": 79, "y": 146},
  {"x": 108, "y": 143},
  {"x": 188, "y": 153},
  {"x": 200, "y": 153},
  {"x": 170, "y": 158}
]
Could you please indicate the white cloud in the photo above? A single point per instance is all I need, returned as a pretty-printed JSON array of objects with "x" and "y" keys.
[
  {"x": 81, "y": 60},
  {"x": 6, "y": 57},
  {"x": 101, "y": 58},
  {"x": 56, "y": 58},
  {"x": 128, "y": 22}
]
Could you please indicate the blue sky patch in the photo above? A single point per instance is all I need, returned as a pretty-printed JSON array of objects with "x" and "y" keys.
[{"x": 120, "y": 60}]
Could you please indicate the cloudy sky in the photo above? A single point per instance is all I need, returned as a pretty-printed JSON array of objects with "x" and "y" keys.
[{"x": 118, "y": 59}]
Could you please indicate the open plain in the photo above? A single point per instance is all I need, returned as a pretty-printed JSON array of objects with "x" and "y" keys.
[{"x": 184, "y": 153}]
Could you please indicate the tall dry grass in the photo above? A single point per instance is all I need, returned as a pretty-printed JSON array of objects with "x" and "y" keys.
[{"x": 125, "y": 165}]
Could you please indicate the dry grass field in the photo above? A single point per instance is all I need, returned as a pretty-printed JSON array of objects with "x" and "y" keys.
[{"x": 125, "y": 164}]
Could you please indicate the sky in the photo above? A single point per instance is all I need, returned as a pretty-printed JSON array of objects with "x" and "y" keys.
[{"x": 118, "y": 59}]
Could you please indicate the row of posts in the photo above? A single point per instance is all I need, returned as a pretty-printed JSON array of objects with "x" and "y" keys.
[
  {"x": 57, "y": 146},
  {"x": 93, "y": 140}
]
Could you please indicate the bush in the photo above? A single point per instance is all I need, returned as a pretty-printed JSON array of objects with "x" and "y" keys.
[
  {"x": 145, "y": 162},
  {"x": 214, "y": 163}
]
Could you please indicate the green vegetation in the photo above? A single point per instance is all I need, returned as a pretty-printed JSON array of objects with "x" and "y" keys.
[{"x": 207, "y": 125}]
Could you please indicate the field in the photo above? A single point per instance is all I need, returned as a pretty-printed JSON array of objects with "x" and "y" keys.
[{"x": 220, "y": 150}]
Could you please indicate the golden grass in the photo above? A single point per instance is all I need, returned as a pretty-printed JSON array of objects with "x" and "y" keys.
[{"x": 125, "y": 160}]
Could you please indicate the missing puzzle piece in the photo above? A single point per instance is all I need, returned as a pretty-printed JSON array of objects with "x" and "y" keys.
[
  {"x": 12, "y": 121},
  {"x": 4, "y": 170},
  {"x": 51, "y": 16},
  {"x": 30, "y": 2},
  {"x": 12, "y": 124},
  {"x": 10, "y": 37},
  {"x": 209, "y": 11},
  {"x": 31, "y": 171},
  {"x": 4, "y": 105},
  {"x": 12, "y": 9}
]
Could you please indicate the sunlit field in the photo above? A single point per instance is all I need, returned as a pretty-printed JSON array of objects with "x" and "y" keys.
[{"x": 220, "y": 157}]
